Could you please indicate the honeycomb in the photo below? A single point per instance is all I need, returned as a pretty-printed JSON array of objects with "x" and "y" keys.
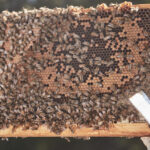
[{"x": 73, "y": 67}]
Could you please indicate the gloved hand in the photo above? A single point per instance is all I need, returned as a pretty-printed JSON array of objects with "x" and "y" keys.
[{"x": 146, "y": 141}]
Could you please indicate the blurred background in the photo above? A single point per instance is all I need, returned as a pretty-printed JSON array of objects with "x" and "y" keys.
[{"x": 59, "y": 143}]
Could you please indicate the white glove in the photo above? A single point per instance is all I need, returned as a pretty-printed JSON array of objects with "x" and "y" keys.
[{"x": 146, "y": 141}]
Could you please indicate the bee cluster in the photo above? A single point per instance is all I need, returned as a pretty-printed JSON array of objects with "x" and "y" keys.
[{"x": 73, "y": 67}]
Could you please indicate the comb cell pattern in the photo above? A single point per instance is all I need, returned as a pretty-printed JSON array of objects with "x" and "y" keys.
[{"x": 73, "y": 67}]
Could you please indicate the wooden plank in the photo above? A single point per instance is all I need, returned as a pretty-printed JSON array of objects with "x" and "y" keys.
[
  {"x": 116, "y": 130},
  {"x": 143, "y": 5}
]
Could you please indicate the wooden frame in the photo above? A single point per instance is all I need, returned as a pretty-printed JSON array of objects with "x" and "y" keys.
[{"x": 116, "y": 130}]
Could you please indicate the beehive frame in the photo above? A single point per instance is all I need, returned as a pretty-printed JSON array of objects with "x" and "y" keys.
[{"x": 134, "y": 46}]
